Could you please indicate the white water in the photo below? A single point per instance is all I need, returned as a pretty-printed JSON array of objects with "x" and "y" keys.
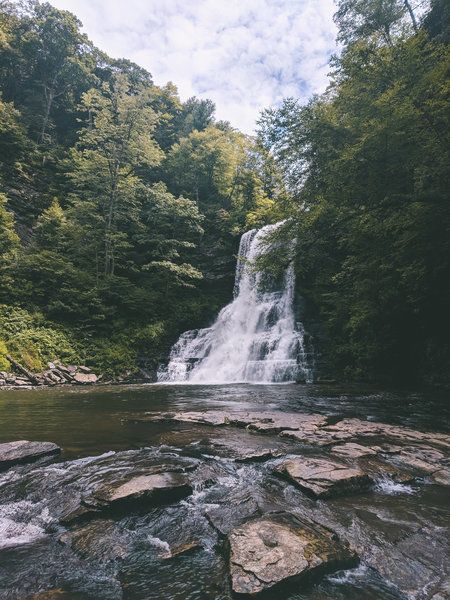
[{"x": 254, "y": 339}]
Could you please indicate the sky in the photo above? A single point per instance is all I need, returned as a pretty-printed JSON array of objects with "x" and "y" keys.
[{"x": 246, "y": 55}]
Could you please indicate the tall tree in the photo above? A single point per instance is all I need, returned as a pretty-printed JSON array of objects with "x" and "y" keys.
[{"x": 115, "y": 144}]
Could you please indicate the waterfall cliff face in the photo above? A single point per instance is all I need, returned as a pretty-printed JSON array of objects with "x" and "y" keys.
[{"x": 254, "y": 339}]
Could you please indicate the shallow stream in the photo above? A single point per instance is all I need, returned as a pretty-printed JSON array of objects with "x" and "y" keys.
[{"x": 398, "y": 530}]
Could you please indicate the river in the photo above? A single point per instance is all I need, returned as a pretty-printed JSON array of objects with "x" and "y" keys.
[{"x": 391, "y": 525}]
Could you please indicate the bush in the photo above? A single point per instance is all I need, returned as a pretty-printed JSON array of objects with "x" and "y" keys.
[
  {"x": 112, "y": 357},
  {"x": 32, "y": 341},
  {"x": 4, "y": 362}
]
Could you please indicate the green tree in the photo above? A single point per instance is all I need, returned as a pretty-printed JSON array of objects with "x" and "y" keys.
[
  {"x": 361, "y": 19},
  {"x": 116, "y": 143}
]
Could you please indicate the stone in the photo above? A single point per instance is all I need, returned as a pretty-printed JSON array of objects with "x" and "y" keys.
[
  {"x": 377, "y": 468},
  {"x": 185, "y": 548},
  {"x": 352, "y": 429},
  {"x": 100, "y": 540},
  {"x": 84, "y": 369},
  {"x": 21, "y": 382},
  {"x": 323, "y": 478},
  {"x": 441, "y": 477},
  {"x": 155, "y": 487},
  {"x": 315, "y": 438},
  {"x": 84, "y": 378},
  {"x": 242, "y": 447},
  {"x": 263, "y": 422},
  {"x": 21, "y": 451},
  {"x": 55, "y": 594},
  {"x": 281, "y": 548},
  {"x": 352, "y": 450},
  {"x": 139, "y": 491}
]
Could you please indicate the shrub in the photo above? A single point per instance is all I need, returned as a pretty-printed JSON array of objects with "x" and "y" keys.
[{"x": 4, "y": 362}]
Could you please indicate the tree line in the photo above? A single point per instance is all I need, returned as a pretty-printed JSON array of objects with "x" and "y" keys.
[
  {"x": 368, "y": 166},
  {"x": 121, "y": 206}
]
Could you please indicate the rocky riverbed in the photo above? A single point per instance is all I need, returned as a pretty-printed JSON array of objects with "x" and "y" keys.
[{"x": 230, "y": 502}]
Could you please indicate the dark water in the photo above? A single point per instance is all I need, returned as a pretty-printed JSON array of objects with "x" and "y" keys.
[{"x": 398, "y": 530}]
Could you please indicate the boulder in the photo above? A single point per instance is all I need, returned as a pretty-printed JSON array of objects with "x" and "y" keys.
[
  {"x": 21, "y": 451},
  {"x": 323, "y": 478},
  {"x": 134, "y": 493},
  {"x": 84, "y": 378},
  {"x": 281, "y": 548}
]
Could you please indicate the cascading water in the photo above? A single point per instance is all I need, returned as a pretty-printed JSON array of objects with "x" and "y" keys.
[{"x": 254, "y": 339}]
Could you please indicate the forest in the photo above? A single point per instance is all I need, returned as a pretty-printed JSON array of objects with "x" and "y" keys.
[{"x": 121, "y": 205}]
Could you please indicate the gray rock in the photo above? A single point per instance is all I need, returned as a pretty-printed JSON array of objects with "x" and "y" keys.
[
  {"x": 21, "y": 451},
  {"x": 135, "y": 492},
  {"x": 323, "y": 478},
  {"x": 84, "y": 378},
  {"x": 354, "y": 429},
  {"x": 352, "y": 450},
  {"x": 281, "y": 548}
]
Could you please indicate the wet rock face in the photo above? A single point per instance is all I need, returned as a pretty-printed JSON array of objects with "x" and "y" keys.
[
  {"x": 156, "y": 488},
  {"x": 281, "y": 548},
  {"x": 266, "y": 422},
  {"x": 352, "y": 450},
  {"x": 307, "y": 428},
  {"x": 352, "y": 429},
  {"x": 13, "y": 453},
  {"x": 323, "y": 478},
  {"x": 134, "y": 492}
]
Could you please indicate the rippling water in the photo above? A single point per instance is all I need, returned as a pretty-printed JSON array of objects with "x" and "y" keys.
[{"x": 398, "y": 530}]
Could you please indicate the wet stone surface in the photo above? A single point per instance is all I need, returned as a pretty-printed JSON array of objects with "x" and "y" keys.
[
  {"x": 281, "y": 548},
  {"x": 324, "y": 478},
  {"x": 22, "y": 451},
  {"x": 214, "y": 504}
]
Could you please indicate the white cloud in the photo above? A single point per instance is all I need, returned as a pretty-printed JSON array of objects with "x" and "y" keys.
[{"x": 245, "y": 55}]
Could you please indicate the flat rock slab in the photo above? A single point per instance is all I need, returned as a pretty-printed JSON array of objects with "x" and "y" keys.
[
  {"x": 280, "y": 548},
  {"x": 21, "y": 451},
  {"x": 322, "y": 478},
  {"x": 85, "y": 378},
  {"x": 156, "y": 487},
  {"x": 352, "y": 429},
  {"x": 136, "y": 492},
  {"x": 267, "y": 422},
  {"x": 352, "y": 450}
]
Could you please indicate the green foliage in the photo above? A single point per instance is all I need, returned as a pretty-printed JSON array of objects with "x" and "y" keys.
[
  {"x": 369, "y": 166},
  {"x": 32, "y": 341},
  {"x": 124, "y": 197},
  {"x": 112, "y": 357},
  {"x": 4, "y": 362},
  {"x": 129, "y": 203}
]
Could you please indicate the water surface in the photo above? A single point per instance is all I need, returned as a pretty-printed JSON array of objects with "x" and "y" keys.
[{"x": 398, "y": 530}]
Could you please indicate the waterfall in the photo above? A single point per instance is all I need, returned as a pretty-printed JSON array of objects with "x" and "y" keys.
[{"x": 254, "y": 339}]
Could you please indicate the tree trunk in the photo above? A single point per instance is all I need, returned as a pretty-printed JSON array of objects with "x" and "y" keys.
[
  {"x": 411, "y": 14},
  {"x": 49, "y": 96},
  {"x": 23, "y": 370}
]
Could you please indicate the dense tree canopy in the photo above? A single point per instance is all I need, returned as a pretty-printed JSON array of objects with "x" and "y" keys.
[
  {"x": 121, "y": 206},
  {"x": 368, "y": 164},
  {"x": 128, "y": 202}
]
